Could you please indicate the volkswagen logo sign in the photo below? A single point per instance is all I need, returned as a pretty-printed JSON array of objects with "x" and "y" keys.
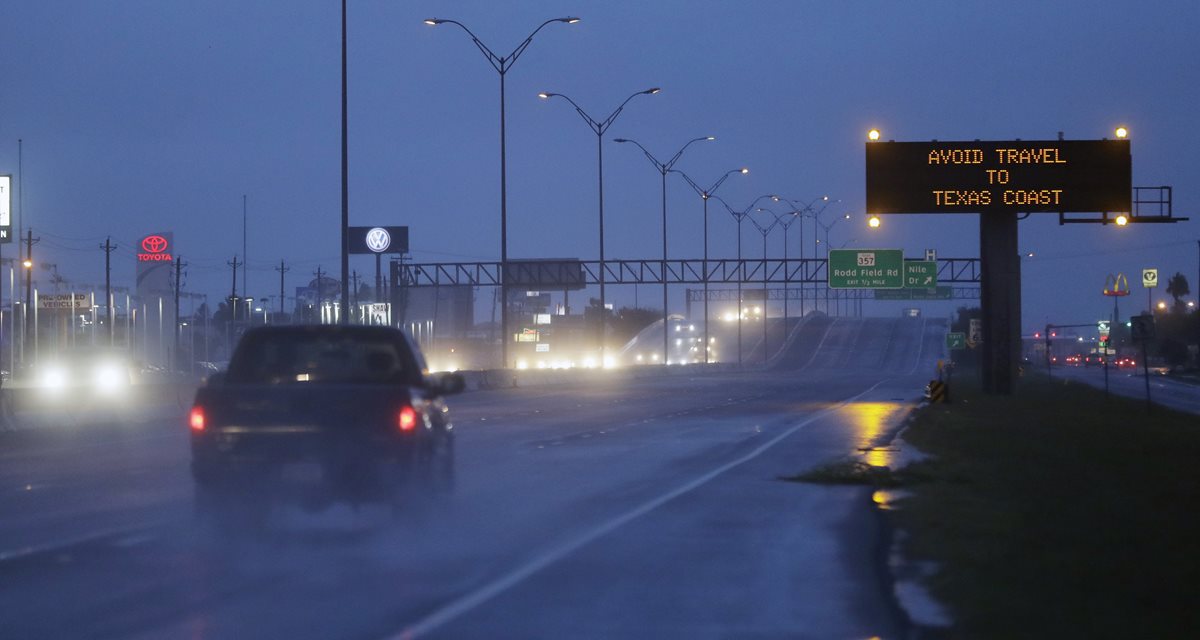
[{"x": 378, "y": 239}]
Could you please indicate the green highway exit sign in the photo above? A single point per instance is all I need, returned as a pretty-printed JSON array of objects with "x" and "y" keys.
[
  {"x": 920, "y": 274},
  {"x": 866, "y": 269},
  {"x": 956, "y": 340}
]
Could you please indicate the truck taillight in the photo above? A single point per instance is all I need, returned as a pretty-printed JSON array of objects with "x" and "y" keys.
[
  {"x": 407, "y": 418},
  {"x": 196, "y": 418}
]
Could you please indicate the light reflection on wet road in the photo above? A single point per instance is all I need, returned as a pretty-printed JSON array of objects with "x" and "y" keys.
[{"x": 644, "y": 506}]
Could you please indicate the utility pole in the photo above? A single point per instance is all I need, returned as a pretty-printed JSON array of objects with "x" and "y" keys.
[
  {"x": 318, "y": 295},
  {"x": 108, "y": 248},
  {"x": 29, "y": 315},
  {"x": 282, "y": 270},
  {"x": 245, "y": 255},
  {"x": 178, "y": 278},
  {"x": 233, "y": 301},
  {"x": 355, "y": 279}
]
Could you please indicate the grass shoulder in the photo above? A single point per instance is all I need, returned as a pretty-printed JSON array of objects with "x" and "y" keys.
[{"x": 1056, "y": 513}]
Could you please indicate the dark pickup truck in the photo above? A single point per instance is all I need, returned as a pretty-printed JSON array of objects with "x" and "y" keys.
[{"x": 322, "y": 413}]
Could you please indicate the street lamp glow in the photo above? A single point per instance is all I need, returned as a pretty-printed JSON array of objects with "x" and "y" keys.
[
  {"x": 1161, "y": 305},
  {"x": 873, "y": 222},
  {"x": 28, "y": 264},
  {"x": 433, "y": 22},
  {"x": 543, "y": 95},
  {"x": 571, "y": 20},
  {"x": 652, "y": 91},
  {"x": 1122, "y": 132},
  {"x": 710, "y": 138},
  {"x": 873, "y": 135},
  {"x": 1122, "y": 220},
  {"x": 744, "y": 171}
]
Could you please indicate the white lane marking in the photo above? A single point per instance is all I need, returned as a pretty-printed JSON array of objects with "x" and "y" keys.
[
  {"x": 828, "y": 328},
  {"x": 465, "y": 604},
  {"x": 921, "y": 352},
  {"x": 32, "y": 550}
]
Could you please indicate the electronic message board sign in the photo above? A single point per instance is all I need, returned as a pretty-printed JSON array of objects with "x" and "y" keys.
[{"x": 1053, "y": 176}]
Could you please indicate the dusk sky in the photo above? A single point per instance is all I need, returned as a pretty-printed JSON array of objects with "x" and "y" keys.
[{"x": 158, "y": 116}]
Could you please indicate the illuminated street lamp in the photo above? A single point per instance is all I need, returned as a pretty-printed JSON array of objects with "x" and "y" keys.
[
  {"x": 873, "y": 135},
  {"x": 705, "y": 194},
  {"x": 599, "y": 127},
  {"x": 664, "y": 168},
  {"x": 501, "y": 64},
  {"x": 1122, "y": 132},
  {"x": 874, "y": 222},
  {"x": 1122, "y": 220}
]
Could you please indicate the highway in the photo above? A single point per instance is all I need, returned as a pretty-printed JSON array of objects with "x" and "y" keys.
[
  {"x": 645, "y": 502},
  {"x": 1165, "y": 391}
]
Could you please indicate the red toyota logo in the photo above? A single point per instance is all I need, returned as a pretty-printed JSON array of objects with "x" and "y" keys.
[{"x": 154, "y": 244}]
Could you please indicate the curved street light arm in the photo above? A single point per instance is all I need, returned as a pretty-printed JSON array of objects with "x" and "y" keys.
[
  {"x": 718, "y": 183},
  {"x": 496, "y": 61},
  {"x": 695, "y": 187},
  {"x": 761, "y": 229},
  {"x": 512, "y": 57},
  {"x": 662, "y": 168},
  {"x": 500, "y": 63},
  {"x": 785, "y": 220},
  {"x": 607, "y": 122},
  {"x": 745, "y": 212},
  {"x": 711, "y": 191},
  {"x": 675, "y": 158},
  {"x": 591, "y": 122}
]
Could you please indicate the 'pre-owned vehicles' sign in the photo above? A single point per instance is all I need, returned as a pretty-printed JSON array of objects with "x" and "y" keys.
[{"x": 1022, "y": 176}]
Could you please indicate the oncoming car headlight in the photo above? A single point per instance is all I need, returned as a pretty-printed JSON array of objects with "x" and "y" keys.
[
  {"x": 53, "y": 379},
  {"x": 109, "y": 377}
]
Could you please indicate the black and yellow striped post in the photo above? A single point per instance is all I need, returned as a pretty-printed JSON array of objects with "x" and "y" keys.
[{"x": 936, "y": 391}]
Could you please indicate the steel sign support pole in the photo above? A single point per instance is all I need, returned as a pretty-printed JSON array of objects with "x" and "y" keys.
[{"x": 1001, "y": 300}]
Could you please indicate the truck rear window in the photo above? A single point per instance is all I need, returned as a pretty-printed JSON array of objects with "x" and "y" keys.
[{"x": 320, "y": 357}]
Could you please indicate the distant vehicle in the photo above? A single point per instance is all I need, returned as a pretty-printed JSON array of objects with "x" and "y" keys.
[
  {"x": 1126, "y": 363},
  {"x": 82, "y": 376},
  {"x": 1073, "y": 360},
  {"x": 322, "y": 414}
]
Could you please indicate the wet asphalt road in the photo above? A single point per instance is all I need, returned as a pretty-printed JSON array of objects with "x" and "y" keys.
[
  {"x": 628, "y": 505},
  {"x": 1164, "y": 391}
]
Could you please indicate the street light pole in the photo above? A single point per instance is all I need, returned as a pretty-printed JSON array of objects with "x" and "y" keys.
[
  {"x": 705, "y": 194},
  {"x": 502, "y": 64},
  {"x": 599, "y": 127},
  {"x": 786, "y": 221},
  {"x": 664, "y": 168},
  {"x": 827, "y": 227},
  {"x": 738, "y": 216},
  {"x": 765, "y": 231},
  {"x": 801, "y": 209},
  {"x": 345, "y": 187}
]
